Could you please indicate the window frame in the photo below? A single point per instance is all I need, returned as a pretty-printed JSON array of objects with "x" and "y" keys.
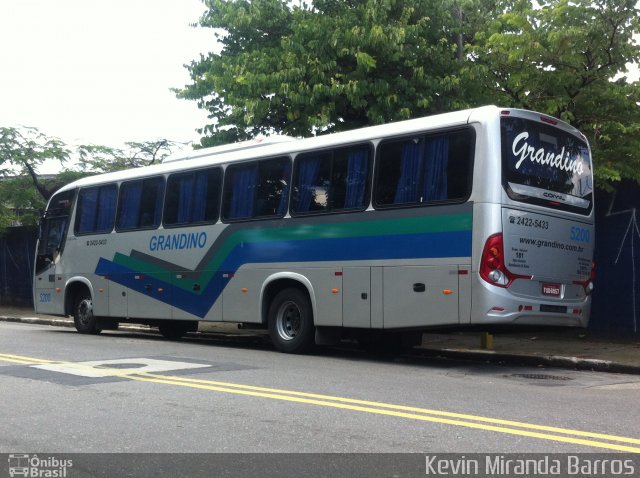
[
  {"x": 332, "y": 150},
  {"x": 507, "y": 176},
  {"x": 224, "y": 202},
  {"x": 123, "y": 185},
  {"x": 220, "y": 186},
  {"x": 424, "y": 135},
  {"x": 99, "y": 188}
]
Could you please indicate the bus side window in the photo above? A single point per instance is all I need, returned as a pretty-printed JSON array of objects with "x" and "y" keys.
[
  {"x": 140, "y": 204},
  {"x": 96, "y": 209},
  {"x": 460, "y": 169},
  {"x": 424, "y": 169},
  {"x": 193, "y": 198},
  {"x": 313, "y": 179},
  {"x": 272, "y": 195},
  {"x": 331, "y": 181},
  {"x": 257, "y": 189}
]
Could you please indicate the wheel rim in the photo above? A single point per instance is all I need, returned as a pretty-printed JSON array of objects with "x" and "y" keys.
[
  {"x": 85, "y": 312},
  {"x": 288, "y": 320}
]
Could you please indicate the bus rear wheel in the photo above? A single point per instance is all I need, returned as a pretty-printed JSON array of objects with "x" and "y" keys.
[
  {"x": 291, "y": 322},
  {"x": 83, "y": 318}
]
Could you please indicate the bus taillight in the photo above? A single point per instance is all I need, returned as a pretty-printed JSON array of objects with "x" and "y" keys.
[
  {"x": 492, "y": 268},
  {"x": 544, "y": 119},
  {"x": 588, "y": 284}
]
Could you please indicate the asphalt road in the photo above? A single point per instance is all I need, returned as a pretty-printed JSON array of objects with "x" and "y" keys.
[{"x": 131, "y": 392}]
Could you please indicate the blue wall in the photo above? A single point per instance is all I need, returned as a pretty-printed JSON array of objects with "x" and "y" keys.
[
  {"x": 17, "y": 249},
  {"x": 616, "y": 298}
]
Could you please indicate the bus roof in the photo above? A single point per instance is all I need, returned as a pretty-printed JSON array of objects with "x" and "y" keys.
[{"x": 286, "y": 145}]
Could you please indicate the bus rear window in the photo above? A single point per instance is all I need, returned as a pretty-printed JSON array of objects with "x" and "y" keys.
[{"x": 545, "y": 165}]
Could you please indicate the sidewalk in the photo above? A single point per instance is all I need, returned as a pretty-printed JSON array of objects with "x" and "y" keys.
[{"x": 565, "y": 348}]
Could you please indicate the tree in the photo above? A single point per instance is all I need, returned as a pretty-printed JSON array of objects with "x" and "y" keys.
[
  {"x": 332, "y": 65},
  {"x": 24, "y": 192},
  {"x": 329, "y": 65},
  {"x": 568, "y": 59},
  {"x": 96, "y": 159},
  {"x": 23, "y": 150}
]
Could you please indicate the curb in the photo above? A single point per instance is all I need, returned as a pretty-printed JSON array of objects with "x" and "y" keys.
[
  {"x": 38, "y": 321},
  {"x": 555, "y": 361},
  {"x": 59, "y": 322}
]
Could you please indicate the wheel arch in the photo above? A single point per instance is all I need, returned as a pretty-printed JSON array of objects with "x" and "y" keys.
[
  {"x": 72, "y": 288},
  {"x": 280, "y": 281}
]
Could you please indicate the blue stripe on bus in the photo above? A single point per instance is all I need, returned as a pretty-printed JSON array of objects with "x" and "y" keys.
[{"x": 406, "y": 246}]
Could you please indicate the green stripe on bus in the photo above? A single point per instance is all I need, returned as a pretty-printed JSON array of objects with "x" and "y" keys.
[{"x": 386, "y": 227}]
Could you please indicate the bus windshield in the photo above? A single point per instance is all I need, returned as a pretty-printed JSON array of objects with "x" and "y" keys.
[
  {"x": 53, "y": 228},
  {"x": 543, "y": 164}
]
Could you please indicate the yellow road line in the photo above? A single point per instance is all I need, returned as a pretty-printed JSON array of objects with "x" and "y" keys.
[
  {"x": 463, "y": 416},
  {"x": 293, "y": 397},
  {"x": 380, "y": 408},
  {"x": 4, "y": 359},
  {"x": 22, "y": 359}
]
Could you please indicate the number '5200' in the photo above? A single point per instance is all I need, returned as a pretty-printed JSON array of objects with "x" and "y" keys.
[{"x": 581, "y": 235}]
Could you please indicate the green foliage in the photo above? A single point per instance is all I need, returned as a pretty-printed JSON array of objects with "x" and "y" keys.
[
  {"x": 303, "y": 68},
  {"x": 331, "y": 66},
  {"x": 566, "y": 58},
  {"x": 22, "y": 150},
  {"x": 96, "y": 159},
  {"x": 24, "y": 192},
  {"x": 20, "y": 202}
]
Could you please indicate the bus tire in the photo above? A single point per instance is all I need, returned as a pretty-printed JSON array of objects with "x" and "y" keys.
[
  {"x": 83, "y": 318},
  {"x": 291, "y": 322}
]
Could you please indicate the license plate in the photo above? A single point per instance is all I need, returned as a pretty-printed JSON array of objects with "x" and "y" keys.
[{"x": 551, "y": 289}]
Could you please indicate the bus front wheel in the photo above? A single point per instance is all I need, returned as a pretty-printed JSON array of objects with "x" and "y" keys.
[
  {"x": 291, "y": 322},
  {"x": 83, "y": 317}
]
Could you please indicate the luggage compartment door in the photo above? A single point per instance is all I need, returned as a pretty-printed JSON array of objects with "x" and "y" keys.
[{"x": 419, "y": 296}]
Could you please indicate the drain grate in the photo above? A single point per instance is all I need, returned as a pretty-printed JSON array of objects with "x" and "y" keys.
[{"x": 540, "y": 376}]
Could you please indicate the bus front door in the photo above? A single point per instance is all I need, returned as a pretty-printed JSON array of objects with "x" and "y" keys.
[{"x": 46, "y": 300}]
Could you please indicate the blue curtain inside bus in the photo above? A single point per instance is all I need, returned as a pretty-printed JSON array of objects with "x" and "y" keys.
[
  {"x": 411, "y": 164},
  {"x": 357, "y": 168},
  {"x": 185, "y": 199},
  {"x": 96, "y": 210},
  {"x": 130, "y": 193},
  {"x": 307, "y": 178},
  {"x": 106, "y": 209},
  {"x": 200, "y": 198},
  {"x": 243, "y": 185},
  {"x": 192, "y": 198},
  {"x": 435, "y": 169},
  {"x": 87, "y": 210},
  {"x": 423, "y": 171}
]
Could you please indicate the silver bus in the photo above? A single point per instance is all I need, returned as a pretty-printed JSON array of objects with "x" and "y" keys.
[{"x": 478, "y": 217}]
